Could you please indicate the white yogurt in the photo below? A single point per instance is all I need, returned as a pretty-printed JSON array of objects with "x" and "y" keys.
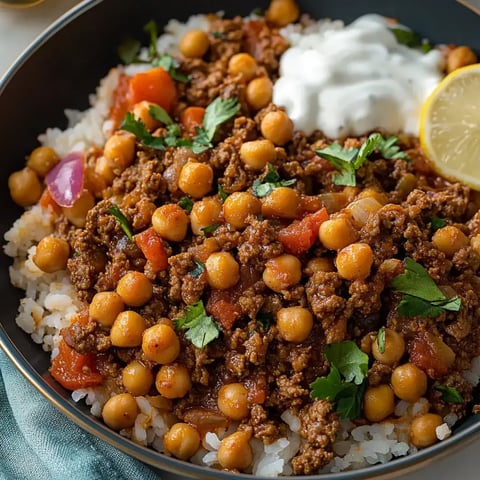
[{"x": 352, "y": 80}]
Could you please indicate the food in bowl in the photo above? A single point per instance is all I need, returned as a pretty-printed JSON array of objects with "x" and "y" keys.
[{"x": 239, "y": 291}]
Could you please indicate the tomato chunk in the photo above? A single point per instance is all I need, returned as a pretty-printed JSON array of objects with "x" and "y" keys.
[
  {"x": 192, "y": 117},
  {"x": 300, "y": 235},
  {"x": 155, "y": 86},
  {"x": 152, "y": 247},
  {"x": 73, "y": 370},
  {"x": 120, "y": 100},
  {"x": 48, "y": 203}
]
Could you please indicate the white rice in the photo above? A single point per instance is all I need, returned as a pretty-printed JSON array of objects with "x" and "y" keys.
[{"x": 50, "y": 303}]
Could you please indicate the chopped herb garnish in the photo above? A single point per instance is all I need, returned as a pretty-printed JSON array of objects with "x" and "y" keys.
[
  {"x": 265, "y": 320},
  {"x": 160, "y": 115},
  {"x": 210, "y": 228},
  {"x": 270, "y": 181},
  {"x": 122, "y": 220},
  {"x": 407, "y": 37},
  {"x": 128, "y": 50},
  {"x": 389, "y": 150},
  {"x": 186, "y": 203},
  {"x": 220, "y": 35},
  {"x": 449, "y": 394},
  {"x": 421, "y": 296},
  {"x": 381, "y": 340},
  {"x": 198, "y": 270},
  {"x": 436, "y": 223},
  {"x": 221, "y": 193},
  {"x": 218, "y": 112},
  {"x": 259, "y": 12},
  {"x": 137, "y": 127},
  {"x": 171, "y": 65},
  {"x": 201, "y": 328},
  {"x": 345, "y": 384}
]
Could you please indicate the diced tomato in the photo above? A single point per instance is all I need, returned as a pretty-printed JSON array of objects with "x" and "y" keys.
[
  {"x": 226, "y": 311},
  {"x": 155, "y": 86},
  {"x": 300, "y": 235},
  {"x": 48, "y": 203},
  {"x": 152, "y": 247},
  {"x": 192, "y": 117},
  {"x": 73, "y": 370},
  {"x": 120, "y": 100},
  {"x": 257, "y": 388}
]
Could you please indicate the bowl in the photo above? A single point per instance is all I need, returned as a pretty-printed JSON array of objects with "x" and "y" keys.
[{"x": 63, "y": 66}]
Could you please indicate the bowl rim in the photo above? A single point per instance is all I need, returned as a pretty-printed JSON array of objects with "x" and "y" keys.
[{"x": 391, "y": 469}]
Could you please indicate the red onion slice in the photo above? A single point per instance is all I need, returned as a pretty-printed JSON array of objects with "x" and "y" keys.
[{"x": 65, "y": 180}]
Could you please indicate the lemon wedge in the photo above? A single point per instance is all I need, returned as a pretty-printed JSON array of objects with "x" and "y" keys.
[{"x": 450, "y": 126}]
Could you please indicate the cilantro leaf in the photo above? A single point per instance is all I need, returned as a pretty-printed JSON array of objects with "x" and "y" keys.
[
  {"x": 349, "y": 402},
  {"x": 389, "y": 150},
  {"x": 210, "y": 228},
  {"x": 186, "y": 203},
  {"x": 436, "y": 223},
  {"x": 265, "y": 320},
  {"x": 128, "y": 50},
  {"x": 270, "y": 181},
  {"x": 171, "y": 65},
  {"x": 351, "y": 362},
  {"x": 221, "y": 193},
  {"x": 421, "y": 297},
  {"x": 152, "y": 30},
  {"x": 327, "y": 388},
  {"x": 160, "y": 115},
  {"x": 218, "y": 112},
  {"x": 367, "y": 149},
  {"x": 342, "y": 160},
  {"x": 449, "y": 394},
  {"x": 201, "y": 328},
  {"x": 137, "y": 127},
  {"x": 220, "y": 35},
  {"x": 122, "y": 220},
  {"x": 406, "y": 37},
  {"x": 381, "y": 340},
  {"x": 198, "y": 270}
]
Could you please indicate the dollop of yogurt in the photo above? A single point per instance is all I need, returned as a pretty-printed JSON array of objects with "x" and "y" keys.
[{"x": 352, "y": 80}]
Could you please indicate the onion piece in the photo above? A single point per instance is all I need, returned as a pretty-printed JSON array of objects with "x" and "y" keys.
[
  {"x": 363, "y": 208},
  {"x": 65, "y": 180}
]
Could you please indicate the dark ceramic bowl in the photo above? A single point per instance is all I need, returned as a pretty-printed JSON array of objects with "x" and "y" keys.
[{"x": 64, "y": 65}]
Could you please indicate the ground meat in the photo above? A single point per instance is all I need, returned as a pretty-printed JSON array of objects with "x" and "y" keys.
[{"x": 86, "y": 338}]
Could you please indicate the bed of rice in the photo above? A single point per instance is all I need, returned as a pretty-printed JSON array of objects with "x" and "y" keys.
[{"x": 50, "y": 303}]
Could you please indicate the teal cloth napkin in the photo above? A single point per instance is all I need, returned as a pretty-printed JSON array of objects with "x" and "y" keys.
[{"x": 39, "y": 442}]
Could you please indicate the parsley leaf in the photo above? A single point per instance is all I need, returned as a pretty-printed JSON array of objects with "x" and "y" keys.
[
  {"x": 186, "y": 203},
  {"x": 210, "y": 228},
  {"x": 221, "y": 193},
  {"x": 346, "y": 381},
  {"x": 128, "y": 50},
  {"x": 171, "y": 65},
  {"x": 367, "y": 149},
  {"x": 407, "y": 37},
  {"x": 198, "y": 270},
  {"x": 122, "y": 220},
  {"x": 152, "y": 30},
  {"x": 270, "y": 181},
  {"x": 160, "y": 115},
  {"x": 388, "y": 149},
  {"x": 137, "y": 127},
  {"x": 218, "y": 112},
  {"x": 381, "y": 340},
  {"x": 201, "y": 328},
  {"x": 421, "y": 296},
  {"x": 449, "y": 394},
  {"x": 436, "y": 223}
]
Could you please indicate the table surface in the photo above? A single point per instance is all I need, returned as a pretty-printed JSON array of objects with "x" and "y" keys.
[{"x": 18, "y": 27}]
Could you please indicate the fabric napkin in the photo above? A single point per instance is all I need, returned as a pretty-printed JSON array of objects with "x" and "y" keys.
[{"x": 39, "y": 442}]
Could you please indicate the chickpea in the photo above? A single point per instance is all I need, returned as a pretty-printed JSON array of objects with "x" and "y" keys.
[
  {"x": 105, "y": 307},
  {"x": 196, "y": 179},
  {"x": 105, "y": 169},
  {"x": 449, "y": 240},
  {"x": 42, "y": 160},
  {"x": 355, "y": 261},
  {"x": 409, "y": 382},
  {"x": 460, "y": 57},
  {"x": 380, "y": 197},
  {"x": 378, "y": 403},
  {"x": 127, "y": 329},
  {"x": 137, "y": 378},
  {"x": 160, "y": 344},
  {"x": 394, "y": 348},
  {"x": 141, "y": 111},
  {"x": 235, "y": 451},
  {"x": 294, "y": 324},
  {"x": 135, "y": 289},
  {"x": 423, "y": 429},
  {"x": 475, "y": 243},
  {"x": 120, "y": 149},
  {"x": 259, "y": 92},
  {"x": 233, "y": 401},
  {"x": 51, "y": 254},
  {"x": 222, "y": 270},
  {"x": 120, "y": 411},
  {"x": 242, "y": 64},
  {"x": 182, "y": 441},
  {"x": 25, "y": 187},
  {"x": 204, "y": 213},
  {"x": 256, "y": 154},
  {"x": 282, "y": 202},
  {"x": 173, "y": 381},
  {"x": 282, "y": 12},
  {"x": 77, "y": 213},
  {"x": 170, "y": 222},
  {"x": 337, "y": 233},
  {"x": 277, "y": 127},
  {"x": 282, "y": 272},
  {"x": 319, "y": 264},
  {"x": 194, "y": 44},
  {"x": 239, "y": 206}
]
